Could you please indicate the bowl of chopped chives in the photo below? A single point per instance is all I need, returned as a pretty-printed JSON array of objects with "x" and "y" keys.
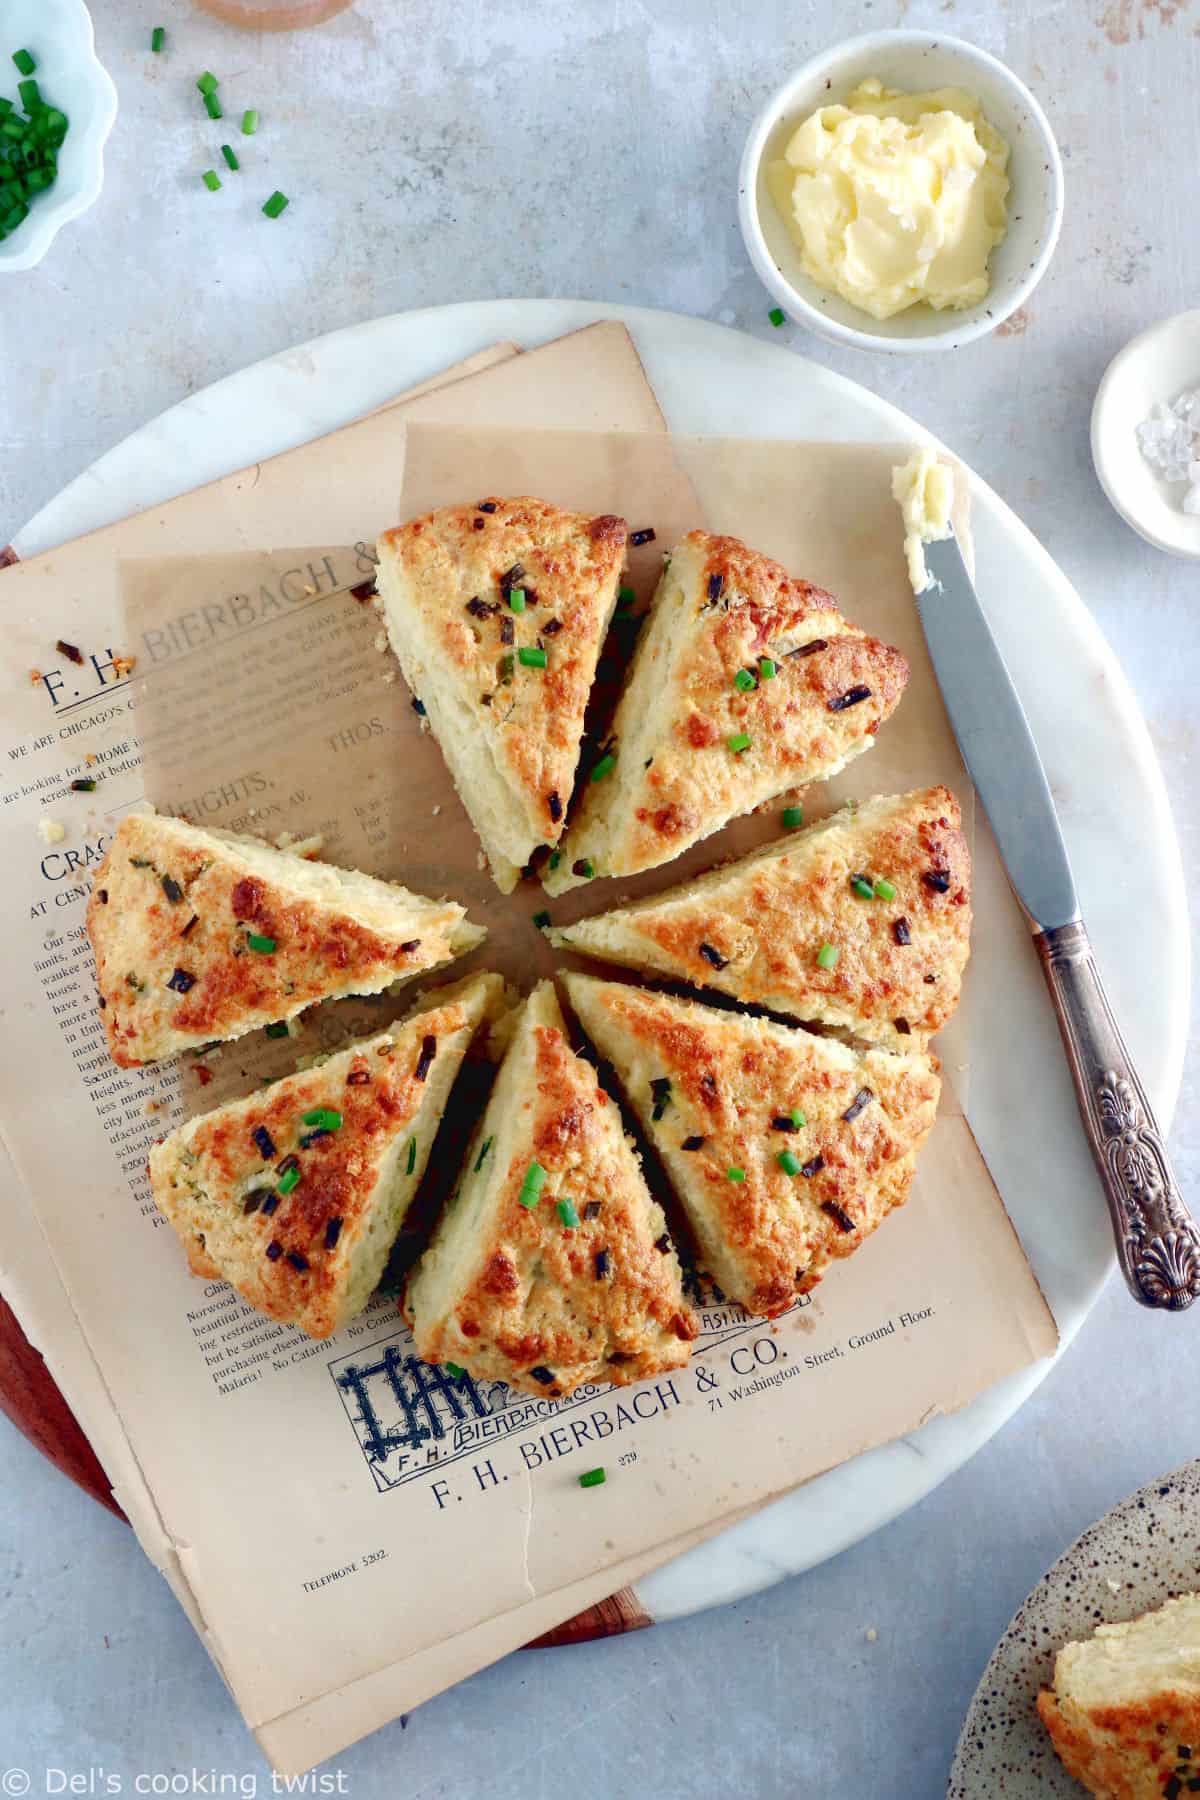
[{"x": 57, "y": 107}]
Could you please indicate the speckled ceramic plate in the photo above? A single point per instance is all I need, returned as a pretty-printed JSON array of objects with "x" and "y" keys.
[{"x": 1145, "y": 1551}]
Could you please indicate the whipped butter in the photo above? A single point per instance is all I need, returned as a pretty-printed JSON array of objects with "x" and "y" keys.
[
  {"x": 896, "y": 198},
  {"x": 924, "y": 490}
]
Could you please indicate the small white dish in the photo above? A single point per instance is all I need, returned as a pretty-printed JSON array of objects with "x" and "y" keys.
[
  {"x": 1159, "y": 364},
  {"x": 911, "y": 61},
  {"x": 58, "y": 33}
]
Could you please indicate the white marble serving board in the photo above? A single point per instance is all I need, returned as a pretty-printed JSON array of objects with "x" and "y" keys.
[{"x": 1098, "y": 755}]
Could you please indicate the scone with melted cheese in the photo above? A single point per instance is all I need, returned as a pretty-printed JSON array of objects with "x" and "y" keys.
[
  {"x": 886, "y": 884},
  {"x": 203, "y": 935},
  {"x": 497, "y": 613},
  {"x": 295, "y": 1195},
  {"x": 551, "y": 1266},
  {"x": 745, "y": 683},
  {"x": 786, "y": 1149},
  {"x": 1124, "y": 1713}
]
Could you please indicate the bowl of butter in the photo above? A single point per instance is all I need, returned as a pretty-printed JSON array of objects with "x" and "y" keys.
[{"x": 902, "y": 191}]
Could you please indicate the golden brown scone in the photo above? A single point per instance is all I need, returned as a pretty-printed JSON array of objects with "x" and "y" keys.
[
  {"x": 722, "y": 616},
  {"x": 357, "y": 1130},
  {"x": 1124, "y": 1714},
  {"x": 201, "y": 935},
  {"x": 562, "y": 1276},
  {"x": 754, "y": 928},
  {"x": 466, "y": 591},
  {"x": 734, "y": 1095}
]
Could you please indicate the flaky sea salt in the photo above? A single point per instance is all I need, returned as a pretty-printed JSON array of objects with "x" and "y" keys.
[{"x": 1170, "y": 442}]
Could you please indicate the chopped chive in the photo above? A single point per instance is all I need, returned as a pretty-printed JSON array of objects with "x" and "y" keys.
[
  {"x": 626, "y": 596},
  {"x": 264, "y": 945},
  {"x": 592, "y": 1478},
  {"x": 158, "y": 38},
  {"x": 278, "y": 1030},
  {"x": 799, "y": 1119},
  {"x": 324, "y": 1117},
  {"x": 739, "y": 742},
  {"x": 827, "y": 956},
  {"x": 211, "y": 180},
  {"x": 275, "y": 204},
  {"x": 212, "y": 107},
  {"x": 24, "y": 61},
  {"x": 454, "y": 1371},
  {"x": 862, "y": 887},
  {"x": 661, "y": 1090},
  {"x": 541, "y": 920},
  {"x": 789, "y": 1163},
  {"x": 31, "y": 95},
  {"x": 736, "y": 1174},
  {"x": 249, "y": 122},
  {"x": 227, "y": 151},
  {"x": 585, "y": 868},
  {"x": 777, "y": 315},
  {"x": 568, "y": 1214},
  {"x": 288, "y": 1180},
  {"x": 604, "y": 767},
  {"x": 487, "y": 1144},
  {"x": 767, "y": 669},
  {"x": 412, "y": 1155},
  {"x": 516, "y": 599},
  {"x": 555, "y": 858},
  {"x": 531, "y": 1187},
  {"x": 507, "y": 664},
  {"x": 793, "y": 816},
  {"x": 208, "y": 83},
  {"x": 884, "y": 890},
  {"x": 744, "y": 681},
  {"x": 530, "y": 657},
  {"x": 85, "y": 784}
]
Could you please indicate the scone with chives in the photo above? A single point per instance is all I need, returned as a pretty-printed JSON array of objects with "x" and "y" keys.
[
  {"x": 497, "y": 614},
  {"x": 552, "y": 1265},
  {"x": 745, "y": 682},
  {"x": 786, "y": 1149},
  {"x": 296, "y": 1194},
  {"x": 860, "y": 923},
  {"x": 202, "y": 935}
]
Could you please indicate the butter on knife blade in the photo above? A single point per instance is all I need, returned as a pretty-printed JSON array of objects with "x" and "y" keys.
[{"x": 923, "y": 488}]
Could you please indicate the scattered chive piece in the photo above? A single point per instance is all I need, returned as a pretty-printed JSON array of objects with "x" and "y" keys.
[
  {"x": 738, "y": 742},
  {"x": 530, "y": 657},
  {"x": 541, "y": 920},
  {"x": 568, "y": 1214},
  {"x": 211, "y": 180},
  {"x": 158, "y": 37},
  {"x": 324, "y": 1117},
  {"x": 777, "y": 315},
  {"x": 212, "y": 107},
  {"x": 275, "y": 204},
  {"x": 84, "y": 785},
  {"x": 799, "y": 1119},
  {"x": 288, "y": 1180},
  {"x": 516, "y": 599},
  {"x": 592, "y": 1478},
  {"x": 24, "y": 61},
  {"x": 227, "y": 151},
  {"x": 555, "y": 858},
  {"x": 454, "y": 1371},
  {"x": 789, "y": 1163},
  {"x": 31, "y": 96},
  {"x": 249, "y": 123},
  {"x": 744, "y": 681},
  {"x": 585, "y": 868},
  {"x": 793, "y": 816},
  {"x": 264, "y": 945},
  {"x": 862, "y": 887},
  {"x": 507, "y": 664},
  {"x": 487, "y": 1144},
  {"x": 827, "y": 956},
  {"x": 736, "y": 1174},
  {"x": 626, "y": 596},
  {"x": 279, "y": 1029},
  {"x": 412, "y": 1155},
  {"x": 767, "y": 669},
  {"x": 661, "y": 1090},
  {"x": 604, "y": 767},
  {"x": 531, "y": 1187},
  {"x": 208, "y": 83},
  {"x": 885, "y": 890}
]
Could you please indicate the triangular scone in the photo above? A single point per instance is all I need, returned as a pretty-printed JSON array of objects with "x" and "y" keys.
[
  {"x": 861, "y": 922},
  {"x": 744, "y": 683},
  {"x": 786, "y": 1149},
  {"x": 551, "y": 1266},
  {"x": 203, "y": 935},
  {"x": 497, "y": 613},
  {"x": 295, "y": 1195}
]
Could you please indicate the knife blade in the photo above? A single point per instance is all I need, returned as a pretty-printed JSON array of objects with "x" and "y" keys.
[{"x": 994, "y": 737}]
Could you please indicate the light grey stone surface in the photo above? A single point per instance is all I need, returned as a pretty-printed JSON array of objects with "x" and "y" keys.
[{"x": 440, "y": 152}]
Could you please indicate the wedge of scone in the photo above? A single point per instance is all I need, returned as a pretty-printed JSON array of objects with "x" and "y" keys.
[
  {"x": 1124, "y": 1713},
  {"x": 295, "y": 1195},
  {"x": 744, "y": 683},
  {"x": 785, "y": 1148},
  {"x": 551, "y": 1266},
  {"x": 203, "y": 935},
  {"x": 861, "y": 923},
  {"x": 497, "y": 613}
]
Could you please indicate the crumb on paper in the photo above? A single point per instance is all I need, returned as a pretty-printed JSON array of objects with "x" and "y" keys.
[
  {"x": 436, "y": 811},
  {"x": 35, "y": 675},
  {"x": 203, "y": 1075},
  {"x": 90, "y": 760},
  {"x": 872, "y": 1635},
  {"x": 124, "y": 665},
  {"x": 51, "y": 831},
  {"x": 389, "y": 675},
  {"x": 480, "y": 860},
  {"x": 380, "y": 640}
]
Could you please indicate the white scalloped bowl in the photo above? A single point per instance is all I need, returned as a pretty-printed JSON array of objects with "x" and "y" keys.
[{"x": 59, "y": 34}]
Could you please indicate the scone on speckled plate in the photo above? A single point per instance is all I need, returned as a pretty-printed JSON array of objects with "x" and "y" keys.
[
  {"x": 497, "y": 613},
  {"x": 1124, "y": 1713},
  {"x": 552, "y": 1265},
  {"x": 203, "y": 935},
  {"x": 786, "y": 1149},
  {"x": 295, "y": 1195},
  {"x": 860, "y": 923},
  {"x": 745, "y": 682}
]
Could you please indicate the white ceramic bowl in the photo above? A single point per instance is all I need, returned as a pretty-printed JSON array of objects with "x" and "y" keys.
[
  {"x": 911, "y": 61},
  {"x": 59, "y": 34},
  {"x": 1160, "y": 364}
]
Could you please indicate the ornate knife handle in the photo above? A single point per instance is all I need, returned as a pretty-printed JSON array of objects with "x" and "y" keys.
[{"x": 1158, "y": 1245}]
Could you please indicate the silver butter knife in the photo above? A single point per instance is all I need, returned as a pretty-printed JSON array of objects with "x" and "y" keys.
[{"x": 1158, "y": 1245}]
